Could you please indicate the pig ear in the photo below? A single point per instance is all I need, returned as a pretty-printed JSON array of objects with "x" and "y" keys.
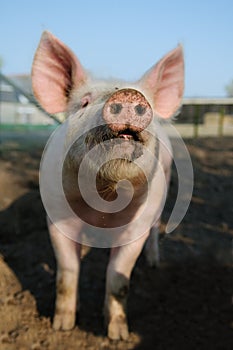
[
  {"x": 55, "y": 72},
  {"x": 165, "y": 83}
]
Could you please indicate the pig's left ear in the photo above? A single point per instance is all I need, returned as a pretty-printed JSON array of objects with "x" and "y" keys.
[
  {"x": 56, "y": 71},
  {"x": 164, "y": 82}
]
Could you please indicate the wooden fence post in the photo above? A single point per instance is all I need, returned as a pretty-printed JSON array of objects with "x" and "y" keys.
[
  {"x": 196, "y": 121},
  {"x": 221, "y": 121}
]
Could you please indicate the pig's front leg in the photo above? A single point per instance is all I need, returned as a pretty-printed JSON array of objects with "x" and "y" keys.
[
  {"x": 122, "y": 261},
  {"x": 67, "y": 254}
]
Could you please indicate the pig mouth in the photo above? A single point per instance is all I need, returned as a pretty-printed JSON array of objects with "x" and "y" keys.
[
  {"x": 129, "y": 139},
  {"x": 102, "y": 134},
  {"x": 125, "y": 143},
  {"x": 128, "y": 135}
]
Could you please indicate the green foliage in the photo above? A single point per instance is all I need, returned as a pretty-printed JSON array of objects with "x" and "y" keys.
[
  {"x": 1, "y": 62},
  {"x": 229, "y": 89}
]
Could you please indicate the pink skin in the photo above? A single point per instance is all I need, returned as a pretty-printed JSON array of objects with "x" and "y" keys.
[
  {"x": 67, "y": 254},
  {"x": 59, "y": 83}
]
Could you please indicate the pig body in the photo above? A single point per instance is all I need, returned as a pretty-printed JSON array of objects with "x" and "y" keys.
[{"x": 126, "y": 143}]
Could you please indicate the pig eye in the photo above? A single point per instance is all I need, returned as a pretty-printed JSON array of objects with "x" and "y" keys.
[
  {"x": 115, "y": 108},
  {"x": 85, "y": 101},
  {"x": 140, "y": 109},
  {"x": 85, "y": 104}
]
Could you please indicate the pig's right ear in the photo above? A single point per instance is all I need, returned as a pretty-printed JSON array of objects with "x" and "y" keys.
[{"x": 55, "y": 73}]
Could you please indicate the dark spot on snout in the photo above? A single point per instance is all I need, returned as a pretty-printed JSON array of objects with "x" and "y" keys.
[
  {"x": 115, "y": 108},
  {"x": 140, "y": 109}
]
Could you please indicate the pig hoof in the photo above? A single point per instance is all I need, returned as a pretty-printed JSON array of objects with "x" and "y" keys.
[
  {"x": 63, "y": 322},
  {"x": 118, "y": 329}
]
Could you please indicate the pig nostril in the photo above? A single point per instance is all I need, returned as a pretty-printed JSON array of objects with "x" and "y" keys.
[
  {"x": 115, "y": 108},
  {"x": 140, "y": 109}
]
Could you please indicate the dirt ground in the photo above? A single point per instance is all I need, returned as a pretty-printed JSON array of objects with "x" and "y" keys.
[{"x": 184, "y": 304}]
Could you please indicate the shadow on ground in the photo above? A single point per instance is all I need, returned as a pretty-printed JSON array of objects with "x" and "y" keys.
[{"x": 186, "y": 303}]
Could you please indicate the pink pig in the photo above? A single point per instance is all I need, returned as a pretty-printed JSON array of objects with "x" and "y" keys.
[{"x": 121, "y": 125}]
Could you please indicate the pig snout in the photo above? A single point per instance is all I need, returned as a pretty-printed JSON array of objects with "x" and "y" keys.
[{"x": 127, "y": 109}]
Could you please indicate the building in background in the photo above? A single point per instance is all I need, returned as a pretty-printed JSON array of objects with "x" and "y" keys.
[{"x": 18, "y": 105}]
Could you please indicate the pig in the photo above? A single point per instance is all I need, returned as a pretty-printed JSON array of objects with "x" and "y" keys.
[{"x": 123, "y": 120}]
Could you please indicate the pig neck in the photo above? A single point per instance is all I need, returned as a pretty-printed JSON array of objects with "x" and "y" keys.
[{"x": 107, "y": 190}]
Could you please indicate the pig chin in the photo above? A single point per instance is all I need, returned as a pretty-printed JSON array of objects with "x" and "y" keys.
[
  {"x": 120, "y": 169},
  {"x": 121, "y": 166},
  {"x": 125, "y": 149},
  {"x": 117, "y": 153}
]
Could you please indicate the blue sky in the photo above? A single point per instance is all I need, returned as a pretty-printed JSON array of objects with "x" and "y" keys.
[{"x": 123, "y": 38}]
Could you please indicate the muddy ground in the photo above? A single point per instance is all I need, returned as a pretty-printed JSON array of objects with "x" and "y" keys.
[{"x": 185, "y": 304}]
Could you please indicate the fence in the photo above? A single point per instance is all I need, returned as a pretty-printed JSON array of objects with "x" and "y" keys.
[
  {"x": 198, "y": 116},
  {"x": 201, "y": 117}
]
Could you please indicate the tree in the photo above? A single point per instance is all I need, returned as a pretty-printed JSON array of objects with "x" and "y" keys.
[
  {"x": 229, "y": 89},
  {"x": 1, "y": 63}
]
